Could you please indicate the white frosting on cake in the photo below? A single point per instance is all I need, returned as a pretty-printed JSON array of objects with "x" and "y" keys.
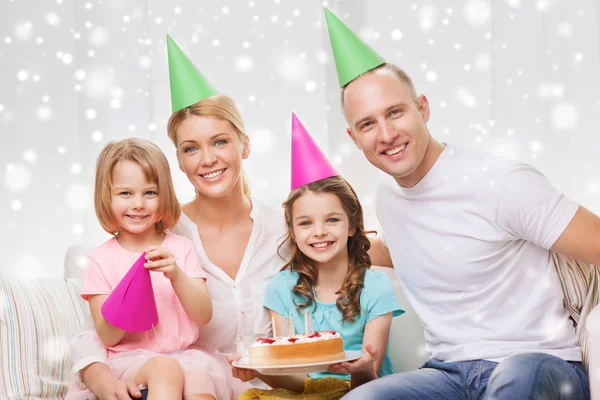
[{"x": 300, "y": 338}]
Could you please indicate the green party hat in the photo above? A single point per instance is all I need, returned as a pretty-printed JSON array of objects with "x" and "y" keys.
[
  {"x": 353, "y": 57},
  {"x": 188, "y": 85}
]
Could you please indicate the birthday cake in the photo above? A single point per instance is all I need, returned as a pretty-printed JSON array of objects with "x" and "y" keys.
[{"x": 297, "y": 349}]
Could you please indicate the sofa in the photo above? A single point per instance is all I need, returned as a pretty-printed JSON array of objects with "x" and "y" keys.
[{"x": 38, "y": 316}]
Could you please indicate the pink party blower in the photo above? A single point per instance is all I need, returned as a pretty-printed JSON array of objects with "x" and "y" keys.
[{"x": 131, "y": 306}]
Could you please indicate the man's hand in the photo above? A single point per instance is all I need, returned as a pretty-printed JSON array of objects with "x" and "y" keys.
[
  {"x": 242, "y": 374},
  {"x": 363, "y": 364}
]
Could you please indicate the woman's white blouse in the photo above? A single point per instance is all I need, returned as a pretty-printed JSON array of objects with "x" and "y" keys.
[{"x": 239, "y": 317}]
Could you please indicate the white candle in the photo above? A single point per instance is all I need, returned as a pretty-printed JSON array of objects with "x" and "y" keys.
[
  {"x": 273, "y": 324},
  {"x": 292, "y": 328},
  {"x": 305, "y": 323}
]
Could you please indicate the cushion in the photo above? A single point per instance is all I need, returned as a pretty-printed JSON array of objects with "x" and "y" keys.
[{"x": 37, "y": 318}]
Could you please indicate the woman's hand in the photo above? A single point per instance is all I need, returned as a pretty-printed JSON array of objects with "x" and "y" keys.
[
  {"x": 364, "y": 364},
  {"x": 161, "y": 259},
  {"x": 119, "y": 390},
  {"x": 242, "y": 374}
]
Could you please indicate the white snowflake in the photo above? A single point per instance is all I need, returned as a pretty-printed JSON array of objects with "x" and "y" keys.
[
  {"x": 17, "y": 177},
  {"x": 397, "y": 34},
  {"x": 291, "y": 66},
  {"x": 477, "y": 12},
  {"x": 427, "y": 17},
  {"x": 310, "y": 86},
  {"x": 99, "y": 36},
  {"x": 30, "y": 156},
  {"x": 243, "y": 63},
  {"x": 550, "y": 90},
  {"x": 80, "y": 74},
  {"x": 431, "y": 76},
  {"x": 22, "y": 75},
  {"x": 464, "y": 96},
  {"x": 97, "y": 136},
  {"x": 263, "y": 140},
  {"x": 145, "y": 62},
  {"x": 77, "y": 229},
  {"x": 536, "y": 146},
  {"x": 593, "y": 188},
  {"x": 564, "y": 29},
  {"x": 53, "y": 19},
  {"x": 78, "y": 196},
  {"x": 369, "y": 34},
  {"x": 115, "y": 104},
  {"x": 16, "y": 205},
  {"x": 90, "y": 113},
  {"x": 565, "y": 116},
  {"x": 23, "y": 30},
  {"x": 76, "y": 168},
  {"x": 542, "y": 5}
]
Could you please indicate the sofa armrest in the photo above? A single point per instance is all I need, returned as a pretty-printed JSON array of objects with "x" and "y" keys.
[{"x": 593, "y": 332}]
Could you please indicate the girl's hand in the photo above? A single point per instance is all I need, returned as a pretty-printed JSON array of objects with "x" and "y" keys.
[
  {"x": 160, "y": 259},
  {"x": 242, "y": 374},
  {"x": 363, "y": 364}
]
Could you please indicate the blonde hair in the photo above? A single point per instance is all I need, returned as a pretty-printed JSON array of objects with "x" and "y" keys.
[
  {"x": 156, "y": 169},
  {"x": 218, "y": 106},
  {"x": 394, "y": 70}
]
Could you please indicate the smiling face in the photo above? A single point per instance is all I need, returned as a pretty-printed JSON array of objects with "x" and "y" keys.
[
  {"x": 134, "y": 200},
  {"x": 388, "y": 124},
  {"x": 210, "y": 153},
  {"x": 321, "y": 227}
]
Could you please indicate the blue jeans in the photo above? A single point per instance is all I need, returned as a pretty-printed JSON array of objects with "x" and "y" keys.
[{"x": 533, "y": 376}]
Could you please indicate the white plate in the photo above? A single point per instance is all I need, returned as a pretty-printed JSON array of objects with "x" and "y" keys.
[{"x": 351, "y": 355}]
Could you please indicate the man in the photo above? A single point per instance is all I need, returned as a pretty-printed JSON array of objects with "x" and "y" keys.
[{"x": 470, "y": 237}]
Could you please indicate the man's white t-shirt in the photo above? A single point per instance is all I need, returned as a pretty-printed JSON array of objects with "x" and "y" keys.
[{"x": 470, "y": 245}]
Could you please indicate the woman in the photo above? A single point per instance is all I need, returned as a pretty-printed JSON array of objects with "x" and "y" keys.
[{"x": 236, "y": 236}]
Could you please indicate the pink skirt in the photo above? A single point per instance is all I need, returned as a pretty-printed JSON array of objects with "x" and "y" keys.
[{"x": 205, "y": 373}]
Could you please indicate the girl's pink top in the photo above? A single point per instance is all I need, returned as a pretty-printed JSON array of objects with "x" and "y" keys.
[{"x": 109, "y": 263}]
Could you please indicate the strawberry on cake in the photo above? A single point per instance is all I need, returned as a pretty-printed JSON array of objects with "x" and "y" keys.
[{"x": 297, "y": 349}]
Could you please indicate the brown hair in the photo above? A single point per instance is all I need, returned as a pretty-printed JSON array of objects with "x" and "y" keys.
[
  {"x": 218, "y": 106},
  {"x": 359, "y": 260},
  {"x": 156, "y": 170},
  {"x": 394, "y": 70}
]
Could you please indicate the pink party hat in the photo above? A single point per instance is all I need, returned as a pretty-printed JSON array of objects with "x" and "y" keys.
[
  {"x": 309, "y": 164},
  {"x": 131, "y": 305}
]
